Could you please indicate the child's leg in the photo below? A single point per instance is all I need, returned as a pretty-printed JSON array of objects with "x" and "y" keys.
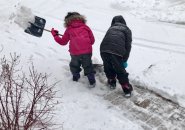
[
  {"x": 109, "y": 70},
  {"x": 87, "y": 63},
  {"x": 88, "y": 68},
  {"x": 122, "y": 74},
  {"x": 108, "y": 66},
  {"x": 75, "y": 67}
]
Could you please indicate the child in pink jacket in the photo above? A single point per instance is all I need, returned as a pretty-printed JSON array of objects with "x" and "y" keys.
[{"x": 81, "y": 39}]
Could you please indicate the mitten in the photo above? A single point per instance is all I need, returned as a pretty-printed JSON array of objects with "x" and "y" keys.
[
  {"x": 54, "y": 32},
  {"x": 124, "y": 64}
]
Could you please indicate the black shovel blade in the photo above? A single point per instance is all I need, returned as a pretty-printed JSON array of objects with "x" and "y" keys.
[{"x": 36, "y": 28}]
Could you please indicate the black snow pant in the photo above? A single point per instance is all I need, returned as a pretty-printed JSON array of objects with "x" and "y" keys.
[
  {"x": 113, "y": 67},
  {"x": 83, "y": 60}
]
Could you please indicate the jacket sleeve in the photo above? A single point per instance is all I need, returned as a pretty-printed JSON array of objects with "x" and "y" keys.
[
  {"x": 128, "y": 42},
  {"x": 64, "y": 39},
  {"x": 91, "y": 36}
]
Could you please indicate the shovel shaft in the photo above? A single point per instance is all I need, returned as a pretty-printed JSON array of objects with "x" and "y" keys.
[{"x": 50, "y": 31}]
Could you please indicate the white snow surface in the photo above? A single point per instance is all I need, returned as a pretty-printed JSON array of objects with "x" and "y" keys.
[
  {"x": 156, "y": 61},
  {"x": 24, "y": 16}
]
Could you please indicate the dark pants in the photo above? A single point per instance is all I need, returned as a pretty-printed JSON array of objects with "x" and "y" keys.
[
  {"x": 113, "y": 67},
  {"x": 83, "y": 60}
]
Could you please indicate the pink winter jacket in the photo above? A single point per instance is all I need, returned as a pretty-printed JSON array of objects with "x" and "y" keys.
[{"x": 80, "y": 36}]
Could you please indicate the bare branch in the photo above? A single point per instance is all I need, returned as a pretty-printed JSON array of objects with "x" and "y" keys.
[{"x": 25, "y": 102}]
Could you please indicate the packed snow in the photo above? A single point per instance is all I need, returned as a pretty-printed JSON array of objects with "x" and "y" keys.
[
  {"x": 156, "y": 61},
  {"x": 171, "y": 11}
]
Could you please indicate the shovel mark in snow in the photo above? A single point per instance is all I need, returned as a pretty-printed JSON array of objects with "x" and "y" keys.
[
  {"x": 160, "y": 42},
  {"x": 1, "y": 48},
  {"x": 40, "y": 55},
  {"x": 62, "y": 60},
  {"x": 160, "y": 48},
  {"x": 11, "y": 38},
  {"x": 32, "y": 43},
  {"x": 52, "y": 49}
]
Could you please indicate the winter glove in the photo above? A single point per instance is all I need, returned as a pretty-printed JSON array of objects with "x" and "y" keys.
[
  {"x": 54, "y": 32},
  {"x": 124, "y": 64}
]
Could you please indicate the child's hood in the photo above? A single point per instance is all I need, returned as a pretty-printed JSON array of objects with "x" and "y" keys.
[
  {"x": 74, "y": 20},
  {"x": 118, "y": 19}
]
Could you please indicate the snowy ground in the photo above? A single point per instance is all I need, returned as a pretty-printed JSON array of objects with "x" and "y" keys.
[
  {"x": 154, "y": 10},
  {"x": 156, "y": 62}
]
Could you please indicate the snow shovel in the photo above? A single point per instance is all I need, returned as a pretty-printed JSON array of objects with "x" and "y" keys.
[{"x": 37, "y": 27}]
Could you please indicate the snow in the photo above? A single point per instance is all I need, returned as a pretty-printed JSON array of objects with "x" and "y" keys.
[
  {"x": 154, "y": 10},
  {"x": 156, "y": 61},
  {"x": 24, "y": 17}
]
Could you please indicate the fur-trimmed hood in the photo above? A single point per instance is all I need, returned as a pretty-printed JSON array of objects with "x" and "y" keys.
[{"x": 71, "y": 16}]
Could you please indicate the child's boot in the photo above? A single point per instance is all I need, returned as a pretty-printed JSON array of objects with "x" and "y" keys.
[
  {"x": 76, "y": 76},
  {"x": 92, "y": 80},
  {"x": 112, "y": 83},
  {"x": 127, "y": 89}
]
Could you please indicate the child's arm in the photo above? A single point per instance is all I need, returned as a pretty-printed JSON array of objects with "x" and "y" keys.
[
  {"x": 62, "y": 41},
  {"x": 128, "y": 42},
  {"x": 91, "y": 36}
]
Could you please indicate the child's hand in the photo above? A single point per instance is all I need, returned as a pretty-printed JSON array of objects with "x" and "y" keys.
[{"x": 54, "y": 32}]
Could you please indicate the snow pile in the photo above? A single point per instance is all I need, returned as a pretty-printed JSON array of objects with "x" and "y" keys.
[
  {"x": 12, "y": 11},
  {"x": 23, "y": 16}
]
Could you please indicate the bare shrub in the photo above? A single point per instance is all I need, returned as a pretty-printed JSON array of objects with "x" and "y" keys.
[{"x": 26, "y": 102}]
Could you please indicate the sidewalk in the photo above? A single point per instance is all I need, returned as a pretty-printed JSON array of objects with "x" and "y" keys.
[{"x": 149, "y": 110}]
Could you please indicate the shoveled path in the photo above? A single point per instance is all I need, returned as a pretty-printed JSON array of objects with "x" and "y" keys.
[{"x": 152, "y": 111}]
